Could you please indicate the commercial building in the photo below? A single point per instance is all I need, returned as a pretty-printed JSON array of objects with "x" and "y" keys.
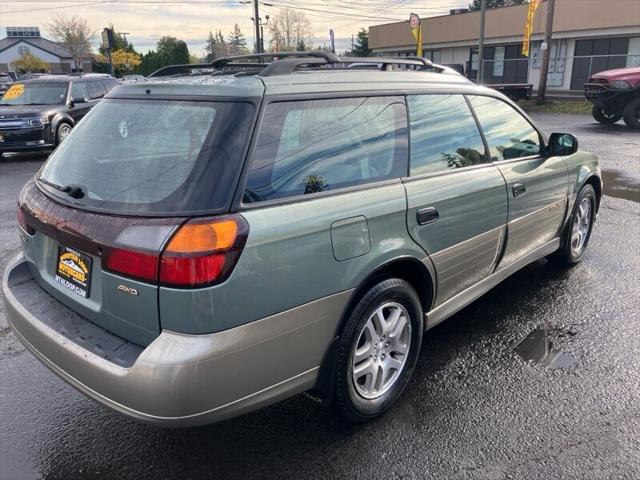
[
  {"x": 588, "y": 36},
  {"x": 22, "y": 40}
]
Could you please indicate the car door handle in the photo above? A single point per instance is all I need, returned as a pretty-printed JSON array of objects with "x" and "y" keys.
[
  {"x": 427, "y": 215},
  {"x": 518, "y": 189}
]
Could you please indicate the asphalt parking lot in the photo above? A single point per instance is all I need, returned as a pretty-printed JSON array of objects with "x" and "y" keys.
[{"x": 475, "y": 408}]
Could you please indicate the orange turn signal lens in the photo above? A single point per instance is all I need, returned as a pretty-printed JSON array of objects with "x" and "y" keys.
[{"x": 204, "y": 237}]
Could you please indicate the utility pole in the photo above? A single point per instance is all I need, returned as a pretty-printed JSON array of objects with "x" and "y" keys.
[
  {"x": 483, "y": 14},
  {"x": 256, "y": 19},
  {"x": 546, "y": 53}
]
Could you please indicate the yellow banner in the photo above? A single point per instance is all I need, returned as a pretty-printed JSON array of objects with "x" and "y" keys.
[
  {"x": 528, "y": 28},
  {"x": 416, "y": 29}
]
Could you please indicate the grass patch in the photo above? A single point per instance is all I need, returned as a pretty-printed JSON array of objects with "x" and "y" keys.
[{"x": 557, "y": 106}]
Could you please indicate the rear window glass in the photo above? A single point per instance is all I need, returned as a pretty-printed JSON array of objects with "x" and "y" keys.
[
  {"x": 153, "y": 156},
  {"x": 318, "y": 145}
]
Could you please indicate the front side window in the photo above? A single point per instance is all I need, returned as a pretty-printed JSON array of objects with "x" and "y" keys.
[
  {"x": 509, "y": 135},
  {"x": 313, "y": 146},
  {"x": 96, "y": 89},
  {"x": 79, "y": 90},
  {"x": 444, "y": 135}
]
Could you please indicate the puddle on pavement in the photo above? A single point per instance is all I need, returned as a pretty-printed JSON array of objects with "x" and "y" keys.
[
  {"x": 538, "y": 348},
  {"x": 618, "y": 185}
]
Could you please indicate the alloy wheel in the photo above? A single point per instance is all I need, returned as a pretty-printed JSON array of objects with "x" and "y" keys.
[{"x": 381, "y": 351}]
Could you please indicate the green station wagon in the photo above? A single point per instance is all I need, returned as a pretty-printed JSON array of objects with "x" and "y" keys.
[{"x": 202, "y": 245}]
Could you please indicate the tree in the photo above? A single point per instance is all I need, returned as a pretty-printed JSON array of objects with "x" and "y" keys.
[
  {"x": 210, "y": 47},
  {"x": 237, "y": 44},
  {"x": 123, "y": 61},
  {"x": 172, "y": 51},
  {"x": 361, "y": 47},
  {"x": 75, "y": 34},
  {"x": 289, "y": 29},
  {"x": 169, "y": 51},
  {"x": 30, "y": 63},
  {"x": 475, "y": 5}
]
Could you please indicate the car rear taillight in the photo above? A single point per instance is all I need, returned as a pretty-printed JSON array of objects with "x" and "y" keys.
[
  {"x": 200, "y": 252},
  {"x": 134, "y": 264},
  {"x": 203, "y": 251}
]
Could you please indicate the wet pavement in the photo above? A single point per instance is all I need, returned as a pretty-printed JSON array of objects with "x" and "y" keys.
[{"x": 481, "y": 404}]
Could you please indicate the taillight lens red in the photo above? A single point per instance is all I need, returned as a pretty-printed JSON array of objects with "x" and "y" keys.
[
  {"x": 201, "y": 252},
  {"x": 143, "y": 266}
]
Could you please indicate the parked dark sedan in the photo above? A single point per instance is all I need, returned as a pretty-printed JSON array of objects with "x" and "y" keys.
[
  {"x": 38, "y": 114},
  {"x": 5, "y": 82}
]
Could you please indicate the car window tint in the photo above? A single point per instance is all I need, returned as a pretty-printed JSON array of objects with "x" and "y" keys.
[
  {"x": 96, "y": 89},
  {"x": 318, "y": 145},
  {"x": 508, "y": 134},
  {"x": 79, "y": 90},
  {"x": 444, "y": 134}
]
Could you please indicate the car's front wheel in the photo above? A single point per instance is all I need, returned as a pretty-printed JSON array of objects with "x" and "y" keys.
[
  {"x": 63, "y": 131},
  {"x": 378, "y": 350},
  {"x": 605, "y": 116}
]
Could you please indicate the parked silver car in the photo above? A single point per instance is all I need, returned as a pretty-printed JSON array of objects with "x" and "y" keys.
[{"x": 203, "y": 246}]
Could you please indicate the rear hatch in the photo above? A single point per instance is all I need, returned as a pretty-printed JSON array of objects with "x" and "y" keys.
[{"x": 136, "y": 175}]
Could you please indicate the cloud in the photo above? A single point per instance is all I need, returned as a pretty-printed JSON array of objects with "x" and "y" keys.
[{"x": 147, "y": 22}]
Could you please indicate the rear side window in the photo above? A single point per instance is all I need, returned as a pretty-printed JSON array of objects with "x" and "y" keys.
[
  {"x": 509, "y": 135},
  {"x": 444, "y": 134},
  {"x": 313, "y": 146},
  {"x": 95, "y": 89},
  {"x": 153, "y": 156}
]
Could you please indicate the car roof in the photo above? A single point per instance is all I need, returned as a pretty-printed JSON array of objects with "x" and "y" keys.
[
  {"x": 65, "y": 78},
  {"x": 301, "y": 82}
]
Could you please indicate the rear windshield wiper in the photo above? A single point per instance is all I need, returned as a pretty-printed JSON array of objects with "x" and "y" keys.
[{"x": 73, "y": 190}]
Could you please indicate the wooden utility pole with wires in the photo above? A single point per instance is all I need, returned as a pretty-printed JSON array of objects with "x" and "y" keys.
[
  {"x": 256, "y": 21},
  {"x": 546, "y": 53},
  {"x": 483, "y": 14}
]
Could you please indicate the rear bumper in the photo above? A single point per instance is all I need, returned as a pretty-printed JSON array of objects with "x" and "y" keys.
[{"x": 178, "y": 380}]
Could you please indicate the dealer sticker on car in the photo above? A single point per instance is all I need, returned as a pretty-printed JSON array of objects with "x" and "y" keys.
[{"x": 74, "y": 271}]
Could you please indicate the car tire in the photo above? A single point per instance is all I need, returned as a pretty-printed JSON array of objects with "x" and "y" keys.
[
  {"x": 578, "y": 229},
  {"x": 632, "y": 114},
  {"x": 62, "y": 132},
  {"x": 602, "y": 116},
  {"x": 388, "y": 351}
]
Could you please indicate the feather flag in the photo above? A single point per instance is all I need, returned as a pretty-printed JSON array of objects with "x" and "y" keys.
[
  {"x": 528, "y": 28},
  {"x": 416, "y": 30}
]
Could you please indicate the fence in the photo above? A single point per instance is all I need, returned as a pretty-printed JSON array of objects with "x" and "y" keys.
[{"x": 565, "y": 72}]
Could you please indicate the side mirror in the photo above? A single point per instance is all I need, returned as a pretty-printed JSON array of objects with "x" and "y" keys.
[
  {"x": 562, "y": 144},
  {"x": 76, "y": 100}
]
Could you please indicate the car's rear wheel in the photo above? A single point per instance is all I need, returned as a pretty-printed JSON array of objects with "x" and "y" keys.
[
  {"x": 632, "y": 114},
  {"x": 63, "y": 131},
  {"x": 578, "y": 230},
  {"x": 605, "y": 116},
  {"x": 377, "y": 350}
]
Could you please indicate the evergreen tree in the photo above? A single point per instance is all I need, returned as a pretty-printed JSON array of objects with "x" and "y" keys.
[
  {"x": 237, "y": 42},
  {"x": 361, "y": 47},
  {"x": 210, "y": 47},
  {"x": 476, "y": 4}
]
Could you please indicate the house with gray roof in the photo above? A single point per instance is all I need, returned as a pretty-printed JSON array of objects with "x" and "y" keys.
[{"x": 22, "y": 40}]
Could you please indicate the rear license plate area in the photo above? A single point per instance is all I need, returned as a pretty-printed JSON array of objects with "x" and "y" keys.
[{"x": 73, "y": 271}]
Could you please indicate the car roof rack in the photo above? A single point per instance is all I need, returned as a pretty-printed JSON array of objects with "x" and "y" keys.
[{"x": 284, "y": 63}]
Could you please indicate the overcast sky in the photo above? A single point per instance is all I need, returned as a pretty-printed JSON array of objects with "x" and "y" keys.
[{"x": 148, "y": 20}]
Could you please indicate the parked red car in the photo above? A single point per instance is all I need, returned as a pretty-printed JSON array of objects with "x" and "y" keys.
[{"x": 615, "y": 94}]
